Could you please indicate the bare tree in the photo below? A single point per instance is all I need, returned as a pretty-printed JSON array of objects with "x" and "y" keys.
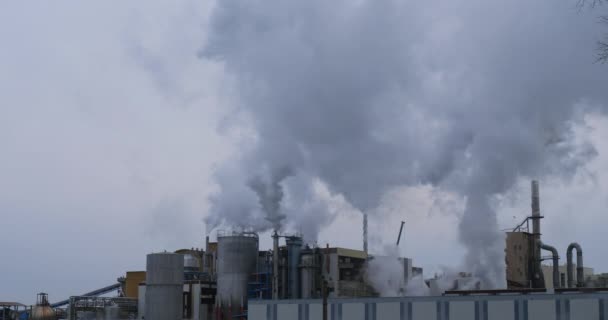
[
  {"x": 602, "y": 45},
  {"x": 591, "y": 3}
]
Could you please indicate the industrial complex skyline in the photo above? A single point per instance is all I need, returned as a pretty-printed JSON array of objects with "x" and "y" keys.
[{"x": 122, "y": 127}]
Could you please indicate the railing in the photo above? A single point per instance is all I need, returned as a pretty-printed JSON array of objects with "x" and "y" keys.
[
  {"x": 97, "y": 292},
  {"x": 233, "y": 233},
  {"x": 92, "y": 303}
]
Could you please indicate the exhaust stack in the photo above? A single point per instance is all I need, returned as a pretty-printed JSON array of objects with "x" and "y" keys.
[
  {"x": 365, "y": 233},
  {"x": 275, "y": 265},
  {"x": 535, "y": 209},
  {"x": 537, "y": 273}
]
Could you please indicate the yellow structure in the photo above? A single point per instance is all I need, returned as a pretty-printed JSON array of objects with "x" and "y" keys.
[{"x": 132, "y": 281}]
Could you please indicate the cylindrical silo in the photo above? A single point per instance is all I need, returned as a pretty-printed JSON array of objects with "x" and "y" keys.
[
  {"x": 237, "y": 258},
  {"x": 164, "y": 286}
]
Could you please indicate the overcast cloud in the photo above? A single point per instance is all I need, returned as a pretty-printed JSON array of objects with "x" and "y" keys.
[{"x": 119, "y": 121}]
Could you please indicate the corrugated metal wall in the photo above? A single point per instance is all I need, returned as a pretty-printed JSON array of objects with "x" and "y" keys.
[{"x": 574, "y": 306}]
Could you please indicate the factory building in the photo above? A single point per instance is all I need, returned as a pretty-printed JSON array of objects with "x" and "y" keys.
[
  {"x": 233, "y": 279},
  {"x": 520, "y": 260},
  {"x": 563, "y": 271},
  {"x": 597, "y": 281},
  {"x": 218, "y": 282},
  {"x": 523, "y": 257},
  {"x": 242, "y": 273}
]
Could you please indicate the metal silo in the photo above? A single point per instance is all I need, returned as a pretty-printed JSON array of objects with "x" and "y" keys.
[
  {"x": 164, "y": 286},
  {"x": 237, "y": 259}
]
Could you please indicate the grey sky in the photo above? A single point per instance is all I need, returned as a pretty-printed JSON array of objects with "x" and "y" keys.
[{"x": 117, "y": 121}]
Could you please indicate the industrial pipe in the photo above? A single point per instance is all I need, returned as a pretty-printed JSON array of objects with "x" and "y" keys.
[
  {"x": 555, "y": 255},
  {"x": 580, "y": 277}
]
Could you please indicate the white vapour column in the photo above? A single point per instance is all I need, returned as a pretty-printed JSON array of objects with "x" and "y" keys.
[{"x": 164, "y": 286}]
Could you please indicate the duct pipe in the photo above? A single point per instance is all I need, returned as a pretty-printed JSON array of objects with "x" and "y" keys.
[
  {"x": 580, "y": 277},
  {"x": 555, "y": 256}
]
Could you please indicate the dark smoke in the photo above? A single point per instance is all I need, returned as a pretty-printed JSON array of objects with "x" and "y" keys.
[{"x": 366, "y": 96}]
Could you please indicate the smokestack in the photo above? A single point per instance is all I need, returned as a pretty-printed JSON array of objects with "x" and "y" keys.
[
  {"x": 538, "y": 278},
  {"x": 275, "y": 265},
  {"x": 365, "y": 233},
  {"x": 535, "y": 209}
]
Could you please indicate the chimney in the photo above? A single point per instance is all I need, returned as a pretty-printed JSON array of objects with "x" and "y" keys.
[{"x": 365, "y": 233}]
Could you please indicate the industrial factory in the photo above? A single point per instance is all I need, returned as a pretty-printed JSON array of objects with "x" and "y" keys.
[{"x": 231, "y": 278}]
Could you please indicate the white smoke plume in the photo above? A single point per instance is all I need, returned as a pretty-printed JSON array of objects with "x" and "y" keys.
[
  {"x": 365, "y": 96},
  {"x": 386, "y": 274},
  {"x": 270, "y": 194}
]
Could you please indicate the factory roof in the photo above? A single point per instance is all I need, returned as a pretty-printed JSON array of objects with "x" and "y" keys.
[{"x": 349, "y": 253}]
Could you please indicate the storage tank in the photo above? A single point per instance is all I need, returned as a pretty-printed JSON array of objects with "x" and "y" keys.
[
  {"x": 237, "y": 259},
  {"x": 42, "y": 310},
  {"x": 164, "y": 286}
]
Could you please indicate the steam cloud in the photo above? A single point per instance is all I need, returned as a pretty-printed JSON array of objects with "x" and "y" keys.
[
  {"x": 270, "y": 194},
  {"x": 366, "y": 96}
]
